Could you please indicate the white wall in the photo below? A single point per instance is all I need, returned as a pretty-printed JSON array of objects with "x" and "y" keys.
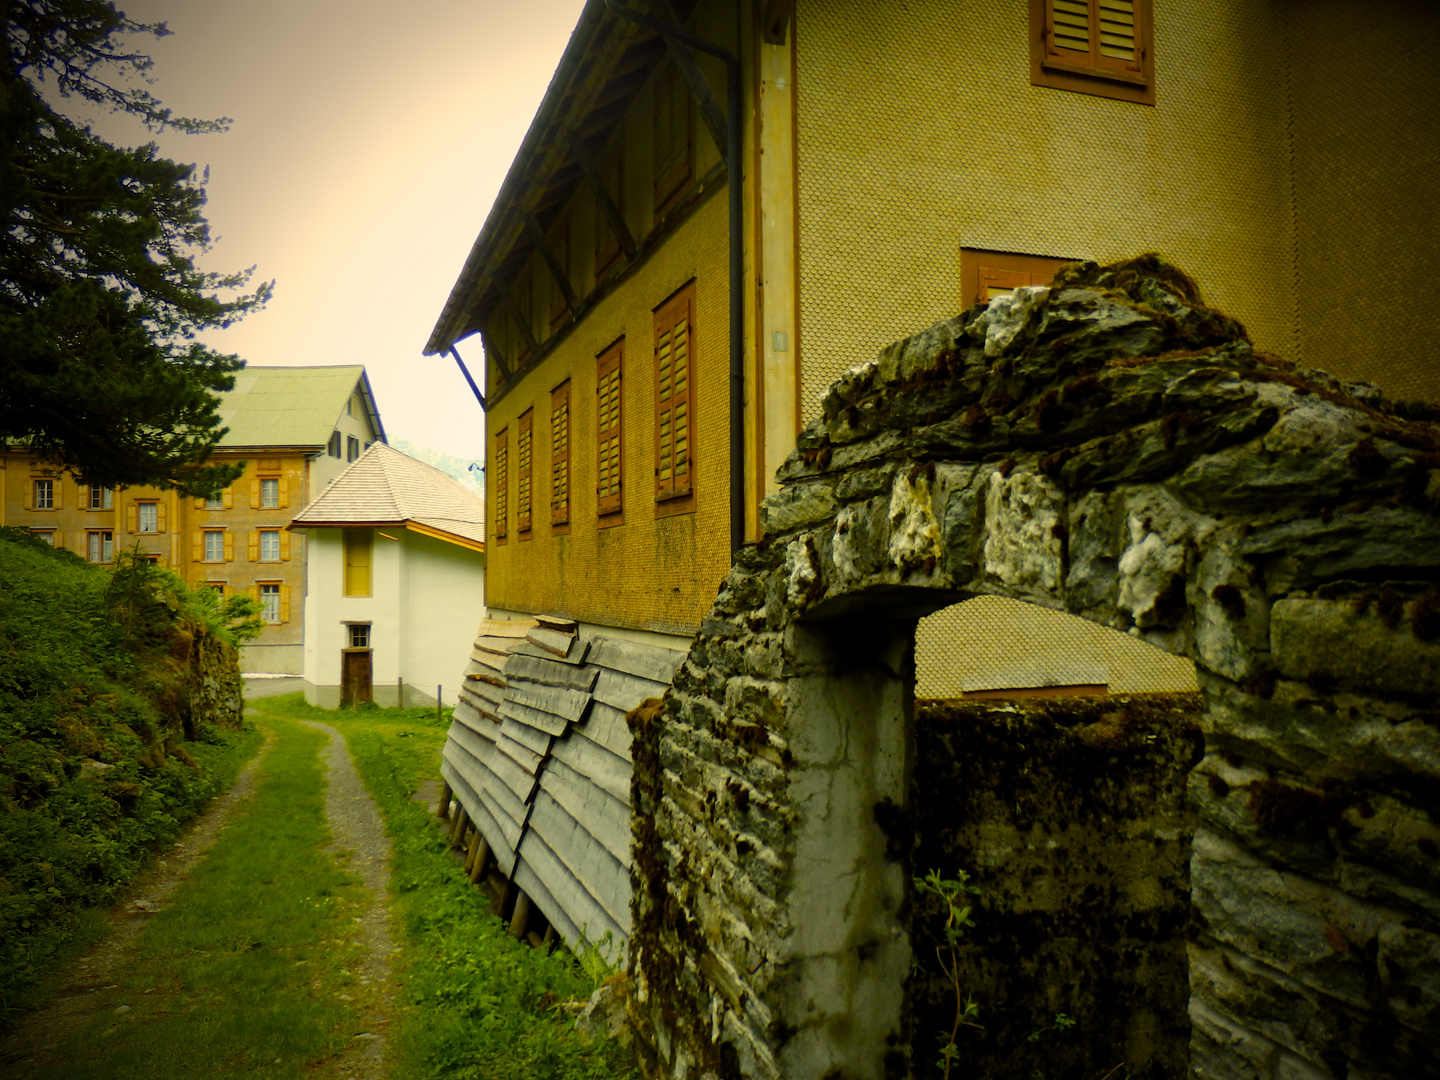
[{"x": 427, "y": 598}]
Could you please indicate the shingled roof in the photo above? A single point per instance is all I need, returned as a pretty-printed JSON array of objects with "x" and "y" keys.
[
  {"x": 291, "y": 406},
  {"x": 386, "y": 487}
]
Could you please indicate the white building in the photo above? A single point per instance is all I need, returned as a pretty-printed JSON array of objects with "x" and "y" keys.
[{"x": 395, "y": 583}]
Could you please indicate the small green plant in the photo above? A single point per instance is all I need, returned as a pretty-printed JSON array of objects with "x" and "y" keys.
[{"x": 953, "y": 894}]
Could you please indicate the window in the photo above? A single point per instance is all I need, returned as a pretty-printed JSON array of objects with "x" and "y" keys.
[
  {"x": 352, "y": 448},
  {"x": 147, "y": 517},
  {"x": 560, "y": 454},
  {"x": 100, "y": 546},
  {"x": 1099, "y": 47},
  {"x": 269, "y": 545},
  {"x": 48, "y": 535},
  {"x": 216, "y": 545},
  {"x": 523, "y": 454},
  {"x": 607, "y": 421},
  {"x": 675, "y": 397},
  {"x": 359, "y": 635},
  {"x": 500, "y": 484},
  {"x": 985, "y": 275},
  {"x": 673, "y": 136},
  {"x": 607, "y": 241},
  {"x": 44, "y": 495},
  {"x": 359, "y": 544},
  {"x": 272, "y": 602},
  {"x": 100, "y": 498},
  {"x": 334, "y": 448},
  {"x": 218, "y": 586},
  {"x": 215, "y": 502},
  {"x": 269, "y": 493}
]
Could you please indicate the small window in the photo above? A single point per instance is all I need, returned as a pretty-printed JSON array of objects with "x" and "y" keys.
[
  {"x": 359, "y": 545},
  {"x": 984, "y": 275},
  {"x": 334, "y": 448},
  {"x": 101, "y": 498},
  {"x": 218, "y": 586},
  {"x": 44, "y": 495},
  {"x": 607, "y": 421},
  {"x": 269, "y": 545},
  {"x": 100, "y": 546},
  {"x": 215, "y": 545},
  {"x": 674, "y": 155},
  {"x": 215, "y": 502},
  {"x": 675, "y": 397},
  {"x": 560, "y": 454},
  {"x": 500, "y": 485},
  {"x": 352, "y": 448},
  {"x": 1097, "y": 47},
  {"x": 147, "y": 517},
  {"x": 270, "y": 602},
  {"x": 269, "y": 492},
  {"x": 47, "y": 535},
  {"x": 359, "y": 635},
  {"x": 523, "y": 453}
]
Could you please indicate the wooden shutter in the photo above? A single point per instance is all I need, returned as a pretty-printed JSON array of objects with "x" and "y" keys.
[
  {"x": 132, "y": 516},
  {"x": 673, "y": 135},
  {"x": 197, "y": 550},
  {"x": 160, "y": 516},
  {"x": 284, "y": 603},
  {"x": 675, "y": 396},
  {"x": 524, "y": 451},
  {"x": 607, "y": 422},
  {"x": 559, "y": 238},
  {"x": 199, "y": 503},
  {"x": 229, "y": 546},
  {"x": 500, "y": 483},
  {"x": 284, "y": 545},
  {"x": 227, "y": 498},
  {"x": 57, "y": 494},
  {"x": 359, "y": 545},
  {"x": 1108, "y": 39},
  {"x": 255, "y": 493},
  {"x": 254, "y": 545},
  {"x": 560, "y": 454},
  {"x": 285, "y": 492}
]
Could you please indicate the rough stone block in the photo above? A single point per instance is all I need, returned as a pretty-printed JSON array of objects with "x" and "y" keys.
[{"x": 1326, "y": 639}]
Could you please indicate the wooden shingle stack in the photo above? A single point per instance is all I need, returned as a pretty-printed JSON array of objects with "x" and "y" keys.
[{"x": 539, "y": 758}]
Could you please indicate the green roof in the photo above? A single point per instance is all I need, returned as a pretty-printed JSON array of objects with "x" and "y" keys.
[{"x": 291, "y": 406}]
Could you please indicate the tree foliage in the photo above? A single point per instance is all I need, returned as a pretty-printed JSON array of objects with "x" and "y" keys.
[{"x": 100, "y": 297}]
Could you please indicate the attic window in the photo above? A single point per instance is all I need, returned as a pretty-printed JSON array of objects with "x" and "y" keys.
[
  {"x": 1097, "y": 47},
  {"x": 334, "y": 448}
]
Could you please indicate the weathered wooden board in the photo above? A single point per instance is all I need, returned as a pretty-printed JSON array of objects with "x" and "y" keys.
[
  {"x": 647, "y": 661},
  {"x": 471, "y": 720},
  {"x": 552, "y": 641},
  {"x": 551, "y": 908},
  {"x": 590, "y": 865},
  {"x": 576, "y": 655},
  {"x": 511, "y": 628},
  {"x": 465, "y": 710},
  {"x": 512, "y": 776},
  {"x": 555, "y": 622},
  {"x": 477, "y": 746},
  {"x": 592, "y": 760},
  {"x": 518, "y": 752},
  {"x": 556, "y": 700},
  {"x": 599, "y": 813},
  {"x": 550, "y": 672},
  {"x": 624, "y": 691},
  {"x": 480, "y": 814},
  {"x": 536, "y": 741},
  {"x": 607, "y": 726},
  {"x": 586, "y": 913},
  {"x": 536, "y": 718}
]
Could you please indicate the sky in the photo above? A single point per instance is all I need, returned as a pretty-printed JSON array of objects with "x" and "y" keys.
[{"x": 365, "y": 151}]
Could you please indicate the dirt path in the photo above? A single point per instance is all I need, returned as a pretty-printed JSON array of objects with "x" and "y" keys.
[
  {"x": 360, "y": 834},
  {"x": 359, "y": 842},
  {"x": 28, "y": 1045}
]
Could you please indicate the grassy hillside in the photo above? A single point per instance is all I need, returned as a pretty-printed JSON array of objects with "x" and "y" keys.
[{"x": 103, "y": 751}]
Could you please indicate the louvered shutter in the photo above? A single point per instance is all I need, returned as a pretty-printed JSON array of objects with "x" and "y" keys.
[
  {"x": 524, "y": 451},
  {"x": 254, "y": 545},
  {"x": 675, "y": 397},
  {"x": 284, "y": 545},
  {"x": 1099, "y": 37},
  {"x": 255, "y": 493},
  {"x": 132, "y": 516},
  {"x": 285, "y": 491},
  {"x": 500, "y": 483},
  {"x": 607, "y": 423},
  {"x": 673, "y": 135},
  {"x": 227, "y": 500},
  {"x": 197, "y": 550},
  {"x": 284, "y": 603},
  {"x": 160, "y": 516},
  {"x": 560, "y": 454},
  {"x": 229, "y": 546}
]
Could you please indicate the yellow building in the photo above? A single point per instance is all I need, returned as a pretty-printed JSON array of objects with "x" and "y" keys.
[
  {"x": 294, "y": 430},
  {"x": 898, "y": 163}
]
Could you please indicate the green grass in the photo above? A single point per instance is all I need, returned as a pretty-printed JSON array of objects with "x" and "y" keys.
[
  {"x": 476, "y": 1003},
  {"x": 243, "y": 972}
]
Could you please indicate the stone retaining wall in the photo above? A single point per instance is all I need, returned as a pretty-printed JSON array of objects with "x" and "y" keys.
[{"x": 1112, "y": 448}]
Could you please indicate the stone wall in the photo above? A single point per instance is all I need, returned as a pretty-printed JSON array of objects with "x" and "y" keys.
[
  {"x": 1070, "y": 816},
  {"x": 1113, "y": 448},
  {"x": 216, "y": 690}
]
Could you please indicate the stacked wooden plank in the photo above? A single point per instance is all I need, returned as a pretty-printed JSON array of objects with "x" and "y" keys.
[{"x": 539, "y": 757}]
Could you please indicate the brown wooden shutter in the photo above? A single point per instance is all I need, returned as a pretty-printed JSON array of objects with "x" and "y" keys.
[
  {"x": 255, "y": 493},
  {"x": 285, "y": 491},
  {"x": 500, "y": 483},
  {"x": 284, "y": 545},
  {"x": 57, "y": 494},
  {"x": 160, "y": 516},
  {"x": 229, "y": 546},
  {"x": 675, "y": 396},
  {"x": 1105, "y": 38},
  {"x": 560, "y": 454},
  {"x": 254, "y": 545},
  {"x": 524, "y": 451},
  {"x": 197, "y": 550},
  {"x": 284, "y": 603},
  {"x": 673, "y": 135},
  {"x": 227, "y": 498},
  {"x": 607, "y": 423},
  {"x": 132, "y": 516}
]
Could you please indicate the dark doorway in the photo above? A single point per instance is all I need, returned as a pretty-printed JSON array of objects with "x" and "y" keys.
[{"x": 355, "y": 667}]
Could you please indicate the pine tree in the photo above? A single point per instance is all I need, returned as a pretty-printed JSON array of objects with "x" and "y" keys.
[{"x": 100, "y": 298}]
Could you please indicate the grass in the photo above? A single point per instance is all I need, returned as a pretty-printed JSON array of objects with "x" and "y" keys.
[
  {"x": 242, "y": 973},
  {"x": 476, "y": 1003}
]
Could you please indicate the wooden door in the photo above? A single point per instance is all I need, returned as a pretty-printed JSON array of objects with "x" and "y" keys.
[{"x": 354, "y": 677}]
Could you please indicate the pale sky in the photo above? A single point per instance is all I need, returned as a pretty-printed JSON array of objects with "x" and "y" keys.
[{"x": 368, "y": 143}]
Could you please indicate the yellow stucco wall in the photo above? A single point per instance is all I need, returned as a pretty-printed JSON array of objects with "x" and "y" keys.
[
  {"x": 1367, "y": 181},
  {"x": 919, "y": 133},
  {"x": 647, "y": 573}
]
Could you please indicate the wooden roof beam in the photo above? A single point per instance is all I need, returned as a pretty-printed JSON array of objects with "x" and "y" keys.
[
  {"x": 602, "y": 196},
  {"x": 552, "y": 260}
]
